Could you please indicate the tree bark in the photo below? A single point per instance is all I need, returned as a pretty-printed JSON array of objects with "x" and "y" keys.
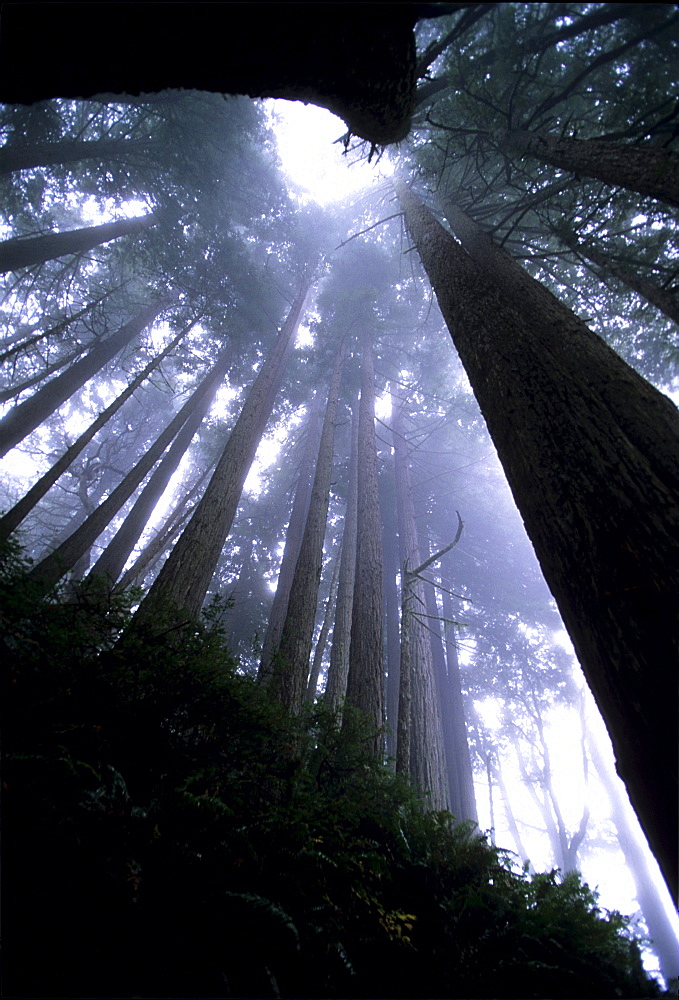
[
  {"x": 338, "y": 671},
  {"x": 463, "y": 760},
  {"x": 13, "y": 518},
  {"x": 365, "y": 682},
  {"x": 51, "y": 569},
  {"x": 419, "y": 716},
  {"x": 391, "y": 601},
  {"x": 649, "y": 170},
  {"x": 315, "y": 671},
  {"x": 290, "y": 676},
  {"x": 346, "y": 57},
  {"x": 25, "y": 417},
  {"x": 111, "y": 562},
  {"x": 589, "y": 449},
  {"x": 19, "y": 156},
  {"x": 293, "y": 543},
  {"x": 659, "y": 297},
  {"x": 24, "y": 251},
  {"x": 185, "y": 577}
]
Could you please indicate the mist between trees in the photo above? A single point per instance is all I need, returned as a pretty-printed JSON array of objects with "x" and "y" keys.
[{"x": 394, "y": 518}]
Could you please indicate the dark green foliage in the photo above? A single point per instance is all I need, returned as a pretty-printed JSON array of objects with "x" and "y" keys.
[{"x": 169, "y": 832}]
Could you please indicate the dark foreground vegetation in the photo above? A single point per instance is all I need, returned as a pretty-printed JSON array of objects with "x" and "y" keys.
[{"x": 170, "y": 831}]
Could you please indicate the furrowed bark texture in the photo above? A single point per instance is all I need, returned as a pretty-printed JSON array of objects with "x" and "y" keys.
[
  {"x": 51, "y": 569},
  {"x": 291, "y": 671},
  {"x": 185, "y": 577},
  {"x": 13, "y": 518},
  {"x": 649, "y": 170},
  {"x": 338, "y": 671},
  {"x": 590, "y": 451},
  {"x": 29, "y": 250},
  {"x": 365, "y": 683},
  {"x": 25, "y": 417},
  {"x": 419, "y": 716},
  {"x": 293, "y": 543}
]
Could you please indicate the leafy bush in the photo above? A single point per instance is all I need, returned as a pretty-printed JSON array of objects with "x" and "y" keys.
[{"x": 169, "y": 832}]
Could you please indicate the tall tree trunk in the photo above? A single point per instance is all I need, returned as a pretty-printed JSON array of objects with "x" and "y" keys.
[
  {"x": 661, "y": 298},
  {"x": 649, "y": 170},
  {"x": 391, "y": 601},
  {"x": 20, "y": 156},
  {"x": 290, "y": 677},
  {"x": 13, "y": 518},
  {"x": 185, "y": 577},
  {"x": 163, "y": 538},
  {"x": 664, "y": 937},
  {"x": 24, "y": 251},
  {"x": 25, "y": 417},
  {"x": 15, "y": 390},
  {"x": 338, "y": 671},
  {"x": 589, "y": 449},
  {"x": 51, "y": 569},
  {"x": 419, "y": 717},
  {"x": 315, "y": 671},
  {"x": 365, "y": 682},
  {"x": 445, "y": 697},
  {"x": 462, "y": 756},
  {"x": 293, "y": 543},
  {"x": 111, "y": 562}
]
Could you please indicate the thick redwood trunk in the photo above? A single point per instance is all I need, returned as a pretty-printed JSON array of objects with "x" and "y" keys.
[
  {"x": 290, "y": 676},
  {"x": 25, "y": 417},
  {"x": 13, "y": 518},
  {"x": 365, "y": 683},
  {"x": 26, "y": 251},
  {"x": 649, "y": 170},
  {"x": 185, "y": 577},
  {"x": 590, "y": 452}
]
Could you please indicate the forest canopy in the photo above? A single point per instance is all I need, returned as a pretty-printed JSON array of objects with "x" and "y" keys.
[{"x": 279, "y": 647}]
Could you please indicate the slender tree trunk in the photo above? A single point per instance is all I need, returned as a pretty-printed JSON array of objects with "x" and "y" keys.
[
  {"x": 111, "y": 562},
  {"x": 63, "y": 558},
  {"x": 419, "y": 718},
  {"x": 293, "y": 543},
  {"x": 664, "y": 937},
  {"x": 445, "y": 697},
  {"x": 185, "y": 577},
  {"x": 163, "y": 538},
  {"x": 19, "y": 156},
  {"x": 365, "y": 682},
  {"x": 16, "y": 390},
  {"x": 315, "y": 671},
  {"x": 462, "y": 756},
  {"x": 649, "y": 170},
  {"x": 391, "y": 601},
  {"x": 338, "y": 671},
  {"x": 659, "y": 297},
  {"x": 25, "y": 417},
  {"x": 24, "y": 251},
  {"x": 290, "y": 678},
  {"x": 13, "y": 518},
  {"x": 590, "y": 452},
  {"x": 511, "y": 819}
]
